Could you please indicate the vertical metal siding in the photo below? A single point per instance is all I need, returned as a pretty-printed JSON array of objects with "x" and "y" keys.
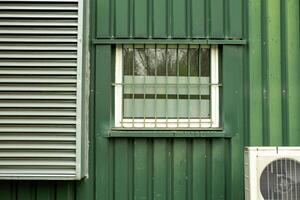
[
  {"x": 162, "y": 169},
  {"x": 274, "y": 72},
  {"x": 142, "y": 168},
  {"x": 169, "y": 19},
  {"x": 38, "y": 190}
]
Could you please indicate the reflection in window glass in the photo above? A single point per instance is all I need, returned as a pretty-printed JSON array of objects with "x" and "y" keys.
[
  {"x": 171, "y": 62},
  {"x": 160, "y": 61},
  {"x": 205, "y": 62},
  {"x": 194, "y": 62},
  {"x": 150, "y": 55},
  {"x": 182, "y": 60},
  {"x": 128, "y": 61},
  {"x": 140, "y": 62}
]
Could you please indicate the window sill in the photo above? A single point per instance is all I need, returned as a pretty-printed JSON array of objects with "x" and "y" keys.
[
  {"x": 230, "y": 41},
  {"x": 162, "y": 133}
]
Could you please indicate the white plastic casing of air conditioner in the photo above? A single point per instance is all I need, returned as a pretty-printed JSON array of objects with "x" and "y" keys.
[{"x": 255, "y": 161}]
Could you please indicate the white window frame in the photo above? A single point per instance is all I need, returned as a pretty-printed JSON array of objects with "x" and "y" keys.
[{"x": 213, "y": 122}]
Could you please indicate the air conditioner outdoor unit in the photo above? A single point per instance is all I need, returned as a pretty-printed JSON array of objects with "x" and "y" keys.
[{"x": 272, "y": 173}]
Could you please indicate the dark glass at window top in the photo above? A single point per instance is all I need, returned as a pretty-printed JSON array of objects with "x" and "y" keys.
[
  {"x": 183, "y": 62},
  {"x": 205, "y": 62},
  {"x": 128, "y": 61},
  {"x": 171, "y": 62},
  {"x": 162, "y": 62},
  {"x": 194, "y": 62}
]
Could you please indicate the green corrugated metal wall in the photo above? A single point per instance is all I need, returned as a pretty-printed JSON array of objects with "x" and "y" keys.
[
  {"x": 40, "y": 190},
  {"x": 188, "y": 168},
  {"x": 274, "y": 72},
  {"x": 169, "y": 19}
]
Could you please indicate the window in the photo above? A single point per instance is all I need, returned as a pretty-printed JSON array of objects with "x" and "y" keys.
[{"x": 166, "y": 86}]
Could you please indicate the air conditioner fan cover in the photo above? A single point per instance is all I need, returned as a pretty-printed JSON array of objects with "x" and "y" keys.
[{"x": 280, "y": 180}]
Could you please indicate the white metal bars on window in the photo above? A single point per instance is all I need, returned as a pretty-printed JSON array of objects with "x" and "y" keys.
[
  {"x": 166, "y": 86},
  {"x": 41, "y": 89}
]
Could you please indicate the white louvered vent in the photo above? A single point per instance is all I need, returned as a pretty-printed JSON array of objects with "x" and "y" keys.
[{"x": 41, "y": 97}]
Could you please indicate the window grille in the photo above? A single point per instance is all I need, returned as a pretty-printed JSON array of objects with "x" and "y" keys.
[{"x": 166, "y": 86}]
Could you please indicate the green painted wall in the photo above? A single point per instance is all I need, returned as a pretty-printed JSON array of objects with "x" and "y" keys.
[
  {"x": 263, "y": 77},
  {"x": 169, "y": 18},
  {"x": 274, "y": 72}
]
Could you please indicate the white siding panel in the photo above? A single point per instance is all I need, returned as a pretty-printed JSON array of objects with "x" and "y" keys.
[{"x": 39, "y": 92}]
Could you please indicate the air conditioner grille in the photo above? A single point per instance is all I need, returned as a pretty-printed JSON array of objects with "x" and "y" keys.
[{"x": 280, "y": 180}]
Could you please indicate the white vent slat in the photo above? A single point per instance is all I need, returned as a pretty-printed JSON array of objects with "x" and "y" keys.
[
  {"x": 37, "y": 71},
  {"x": 37, "y": 63},
  {"x": 34, "y": 38},
  {"x": 37, "y": 137},
  {"x": 4, "y": 162},
  {"x": 53, "y": 136},
  {"x": 42, "y": 1},
  {"x": 38, "y": 6},
  {"x": 36, "y": 112},
  {"x": 39, "y": 31},
  {"x": 37, "y": 104},
  {"x": 37, "y": 171},
  {"x": 37, "y": 88},
  {"x": 32, "y": 96},
  {"x": 38, "y": 54},
  {"x": 52, "y": 175},
  {"x": 39, "y": 47},
  {"x": 38, "y": 128},
  {"x": 40, "y": 92},
  {"x": 27, "y": 120},
  {"x": 37, "y": 23},
  {"x": 37, "y": 145},
  {"x": 39, "y": 15},
  {"x": 37, "y": 154},
  {"x": 37, "y": 79}
]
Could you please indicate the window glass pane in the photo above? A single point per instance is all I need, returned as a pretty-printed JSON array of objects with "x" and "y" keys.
[
  {"x": 127, "y": 105},
  {"x": 150, "y": 57},
  {"x": 194, "y": 61},
  {"x": 205, "y": 106},
  {"x": 205, "y": 62},
  {"x": 128, "y": 61},
  {"x": 167, "y": 83},
  {"x": 182, "y": 60},
  {"x": 205, "y": 80},
  {"x": 161, "y": 61},
  {"x": 141, "y": 65},
  {"x": 171, "y": 62}
]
